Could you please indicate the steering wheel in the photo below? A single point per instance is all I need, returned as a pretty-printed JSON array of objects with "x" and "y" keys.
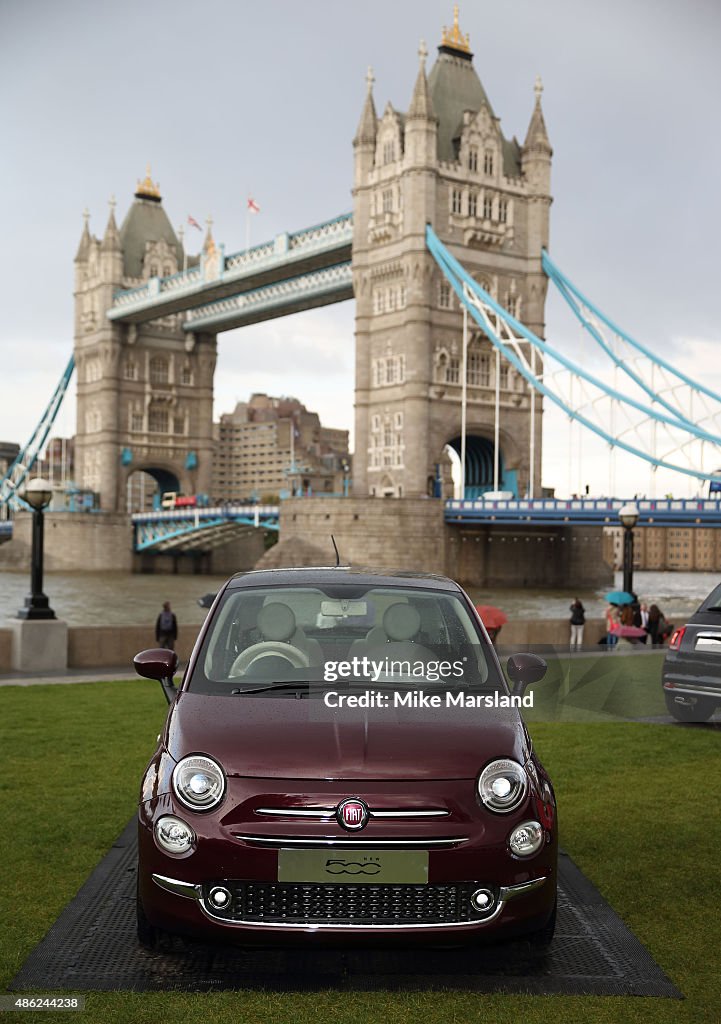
[{"x": 267, "y": 649}]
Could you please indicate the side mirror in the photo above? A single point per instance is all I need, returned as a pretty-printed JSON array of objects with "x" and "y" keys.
[
  {"x": 525, "y": 669},
  {"x": 161, "y": 664}
]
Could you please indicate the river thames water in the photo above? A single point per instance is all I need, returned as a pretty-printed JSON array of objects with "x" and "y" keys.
[{"x": 100, "y": 599}]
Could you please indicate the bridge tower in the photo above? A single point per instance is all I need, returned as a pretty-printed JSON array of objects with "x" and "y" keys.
[
  {"x": 144, "y": 393},
  {"x": 444, "y": 162}
]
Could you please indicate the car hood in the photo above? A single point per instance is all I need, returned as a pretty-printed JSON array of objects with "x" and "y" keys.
[{"x": 287, "y": 738}]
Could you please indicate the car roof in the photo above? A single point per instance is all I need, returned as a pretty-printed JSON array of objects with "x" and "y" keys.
[{"x": 333, "y": 575}]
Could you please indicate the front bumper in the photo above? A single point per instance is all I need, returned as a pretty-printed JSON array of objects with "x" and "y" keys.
[
  {"x": 238, "y": 849},
  {"x": 343, "y": 908}
]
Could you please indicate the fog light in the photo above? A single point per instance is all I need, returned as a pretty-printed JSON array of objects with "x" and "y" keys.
[
  {"x": 526, "y": 839},
  {"x": 174, "y": 835},
  {"x": 220, "y": 897},
  {"x": 482, "y": 900}
]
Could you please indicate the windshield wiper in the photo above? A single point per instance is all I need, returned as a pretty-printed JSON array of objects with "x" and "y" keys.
[{"x": 287, "y": 685}]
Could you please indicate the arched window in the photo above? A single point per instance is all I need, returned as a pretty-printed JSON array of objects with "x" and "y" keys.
[{"x": 488, "y": 161}]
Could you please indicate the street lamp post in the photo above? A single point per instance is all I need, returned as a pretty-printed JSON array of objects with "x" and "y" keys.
[
  {"x": 628, "y": 514},
  {"x": 38, "y": 494}
]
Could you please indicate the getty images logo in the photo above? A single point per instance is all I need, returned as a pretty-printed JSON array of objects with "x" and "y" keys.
[{"x": 352, "y": 814}]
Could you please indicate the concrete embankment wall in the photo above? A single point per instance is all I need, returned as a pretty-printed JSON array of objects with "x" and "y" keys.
[
  {"x": 108, "y": 647},
  {"x": 73, "y": 540}
]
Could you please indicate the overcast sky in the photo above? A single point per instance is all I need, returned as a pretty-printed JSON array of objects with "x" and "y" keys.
[{"x": 230, "y": 98}]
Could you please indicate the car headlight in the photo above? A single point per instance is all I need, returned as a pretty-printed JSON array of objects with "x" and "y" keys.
[
  {"x": 198, "y": 782},
  {"x": 502, "y": 786},
  {"x": 173, "y": 834},
  {"x": 526, "y": 839}
]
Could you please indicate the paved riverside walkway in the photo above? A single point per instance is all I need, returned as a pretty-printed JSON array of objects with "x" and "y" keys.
[{"x": 69, "y": 675}]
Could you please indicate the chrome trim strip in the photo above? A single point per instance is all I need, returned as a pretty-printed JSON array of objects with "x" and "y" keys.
[
  {"x": 409, "y": 814},
  {"x": 697, "y": 690},
  {"x": 348, "y": 927},
  {"x": 186, "y": 889},
  {"x": 321, "y": 813},
  {"x": 512, "y": 892},
  {"x": 292, "y": 812},
  {"x": 309, "y": 841}
]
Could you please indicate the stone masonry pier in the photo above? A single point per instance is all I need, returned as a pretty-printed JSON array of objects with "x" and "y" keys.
[{"x": 410, "y": 533}]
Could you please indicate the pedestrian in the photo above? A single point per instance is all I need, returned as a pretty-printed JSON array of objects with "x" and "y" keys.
[
  {"x": 166, "y": 628},
  {"x": 657, "y": 628},
  {"x": 612, "y": 626},
  {"x": 578, "y": 620},
  {"x": 644, "y": 616}
]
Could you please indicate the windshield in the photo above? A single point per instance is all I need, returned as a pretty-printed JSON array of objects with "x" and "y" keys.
[{"x": 343, "y": 635}]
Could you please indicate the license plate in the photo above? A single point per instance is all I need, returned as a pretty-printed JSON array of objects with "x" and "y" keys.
[{"x": 354, "y": 867}]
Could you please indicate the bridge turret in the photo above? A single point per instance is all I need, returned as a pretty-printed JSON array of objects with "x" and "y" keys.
[
  {"x": 112, "y": 251},
  {"x": 364, "y": 142},
  {"x": 536, "y": 151},
  {"x": 84, "y": 246},
  {"x": 421, "y": 134}
]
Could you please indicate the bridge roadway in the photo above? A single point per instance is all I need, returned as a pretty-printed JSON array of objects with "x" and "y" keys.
[
  {"x": 685, "y": 512},
  {"x": 186, "y": 529},
  {"x": 295, "y": 260}
]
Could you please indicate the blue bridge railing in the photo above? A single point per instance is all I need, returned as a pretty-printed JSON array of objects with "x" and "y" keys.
[{"x": 687, "y": 512}]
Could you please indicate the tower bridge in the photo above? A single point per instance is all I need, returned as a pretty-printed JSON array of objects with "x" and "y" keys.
[
  {"x": 445, "y": 253},
  {"x": 147, "y": 322}
]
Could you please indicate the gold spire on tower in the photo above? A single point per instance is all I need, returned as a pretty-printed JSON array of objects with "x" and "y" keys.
[
  {"x": 453, "y": 37},
  {"x": 148, "y": 187}
]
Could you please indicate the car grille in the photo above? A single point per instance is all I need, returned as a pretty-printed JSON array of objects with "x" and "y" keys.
[{"x": 361, "y": 905}]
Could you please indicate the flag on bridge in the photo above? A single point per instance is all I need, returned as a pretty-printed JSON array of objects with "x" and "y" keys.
[
  {"x": 193, "y": 223},
  {"x": 253, "y": 206}
]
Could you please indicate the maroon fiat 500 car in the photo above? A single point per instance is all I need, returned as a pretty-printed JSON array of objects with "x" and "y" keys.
[{"x": 344, "y": 759}]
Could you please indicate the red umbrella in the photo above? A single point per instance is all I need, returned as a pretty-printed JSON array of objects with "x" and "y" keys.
[{"x": 492, "y": 618}]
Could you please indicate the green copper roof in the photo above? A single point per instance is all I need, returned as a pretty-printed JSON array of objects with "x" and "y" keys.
[
  {"x": 145, "y": 221},
  {"x": 455, "y": 87}
]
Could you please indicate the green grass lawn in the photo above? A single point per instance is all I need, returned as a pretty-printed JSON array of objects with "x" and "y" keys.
[
  {"x": 612, "y": 687},
  {"x": 638, "y": 812}
]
